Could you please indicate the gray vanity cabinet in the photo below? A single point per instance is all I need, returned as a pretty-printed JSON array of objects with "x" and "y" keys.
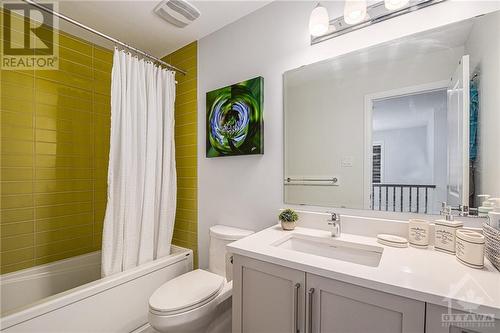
[
  {"x": 269, "y": 298},
  {"x": 339, "y": 307},
  {"x": 434, "y": 322}
]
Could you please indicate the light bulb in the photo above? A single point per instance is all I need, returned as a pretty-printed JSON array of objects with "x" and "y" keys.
[
  {"x": 354, "y": 11},
  {"x": 395, "y": 4},
  {"x": 319, "y": 22}
]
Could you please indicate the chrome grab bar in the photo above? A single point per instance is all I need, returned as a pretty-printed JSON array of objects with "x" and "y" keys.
[{"x": 333, "y": 180}]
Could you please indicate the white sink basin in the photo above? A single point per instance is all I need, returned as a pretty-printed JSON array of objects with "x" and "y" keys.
[{"x": 333, "y": 248}]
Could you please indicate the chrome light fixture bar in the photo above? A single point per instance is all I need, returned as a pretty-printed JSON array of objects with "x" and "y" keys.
[{"x": 375, "y": 13}]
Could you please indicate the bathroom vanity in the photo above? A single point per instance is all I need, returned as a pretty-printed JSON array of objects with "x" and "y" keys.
[
  {"x": 388, "y": 133},
  {"x": 307, "y": 281}
]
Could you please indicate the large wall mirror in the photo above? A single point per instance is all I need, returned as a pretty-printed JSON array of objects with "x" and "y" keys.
[{"x": 399, "y": 127}]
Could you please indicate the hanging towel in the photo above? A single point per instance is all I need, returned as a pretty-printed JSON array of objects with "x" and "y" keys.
[{"x": 473, "y": 125}]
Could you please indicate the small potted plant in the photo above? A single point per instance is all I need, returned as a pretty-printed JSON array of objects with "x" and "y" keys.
[{"x": 288, "y": 219}]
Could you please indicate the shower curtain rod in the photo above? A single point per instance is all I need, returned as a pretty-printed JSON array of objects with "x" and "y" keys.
[{"x": 116, "y": 41}]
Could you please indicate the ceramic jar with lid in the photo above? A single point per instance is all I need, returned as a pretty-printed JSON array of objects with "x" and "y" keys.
[{"x": 470, "y": 248}]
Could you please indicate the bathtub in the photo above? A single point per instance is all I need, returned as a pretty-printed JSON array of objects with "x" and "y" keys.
[
  {"x": 27, "y": 286},
  {"x": 51, "y": 298}
]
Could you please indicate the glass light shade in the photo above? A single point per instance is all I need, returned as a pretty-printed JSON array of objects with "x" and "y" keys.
[
  {"x": 319, "y": 22},
  {"x": 395, "y": 4},
  {"x": 354, "y": 11}
]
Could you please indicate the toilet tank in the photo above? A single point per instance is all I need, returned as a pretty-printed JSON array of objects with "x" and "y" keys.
[{"x": 220, "y": 236}]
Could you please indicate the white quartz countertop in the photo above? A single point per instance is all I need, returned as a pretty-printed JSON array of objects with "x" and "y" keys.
[{"x": 422, "y": 274}]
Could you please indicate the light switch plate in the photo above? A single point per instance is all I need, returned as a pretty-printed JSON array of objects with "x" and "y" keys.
[{"x": 346, "y": 162}]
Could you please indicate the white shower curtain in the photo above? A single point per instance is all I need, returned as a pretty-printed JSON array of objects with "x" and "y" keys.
[{"x": 142, "y": 187}]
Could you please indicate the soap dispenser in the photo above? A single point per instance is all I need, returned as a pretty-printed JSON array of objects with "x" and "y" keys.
[
  {"x": 445, "y": 231},
  {"x": 494, "y": 214},
  {"x": 486, "y": 205}
]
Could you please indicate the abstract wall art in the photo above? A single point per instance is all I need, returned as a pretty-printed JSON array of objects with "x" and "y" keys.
[{"x": 235, "y": 124}]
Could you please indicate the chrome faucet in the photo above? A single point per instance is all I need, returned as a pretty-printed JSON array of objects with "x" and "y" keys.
[
  {"x": 463, "y": 211},
  {"x": 334, "y": 221}
]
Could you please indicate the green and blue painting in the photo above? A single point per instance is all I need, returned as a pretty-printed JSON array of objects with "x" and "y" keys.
[{"x": 235, "y": 124}]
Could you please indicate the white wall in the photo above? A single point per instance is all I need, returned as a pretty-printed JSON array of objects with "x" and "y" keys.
[
  {"x": 483, "y": 46},
  {"x": 246, "y": 191},
  {"x": 405, "y": 159}
]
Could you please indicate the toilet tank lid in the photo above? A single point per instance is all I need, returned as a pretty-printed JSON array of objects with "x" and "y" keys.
[{"x": 228, "y": 233}]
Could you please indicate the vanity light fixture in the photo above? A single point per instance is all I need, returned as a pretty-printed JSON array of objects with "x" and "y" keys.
[
  {"x": 354, "y": 11},
  {"x": 357, "y": 16},
  {"x": 319, "y": 22},
  {"x": 395, "y": 4}
]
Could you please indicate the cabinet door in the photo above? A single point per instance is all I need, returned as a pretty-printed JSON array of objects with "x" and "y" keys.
[
  {"x": 267, "y": 298},
  {"x": 440, "y": 319},
  {"x": 339, "y": 307}
]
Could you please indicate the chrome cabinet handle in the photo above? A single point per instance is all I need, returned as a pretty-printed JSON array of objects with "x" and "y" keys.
[
  {"x": 296, "y": 308},
  {"x": 309, "y": 312}
]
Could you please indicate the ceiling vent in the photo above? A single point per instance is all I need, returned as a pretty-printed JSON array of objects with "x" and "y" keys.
[{"x": 177, "y": 12}]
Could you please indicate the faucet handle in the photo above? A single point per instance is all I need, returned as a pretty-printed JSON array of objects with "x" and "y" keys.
[
  {"x": 463, "y": 210},
  {"x": 333, "y": 216}
]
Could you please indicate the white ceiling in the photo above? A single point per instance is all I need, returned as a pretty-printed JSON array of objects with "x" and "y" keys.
[{"x": 134, "y": 22}]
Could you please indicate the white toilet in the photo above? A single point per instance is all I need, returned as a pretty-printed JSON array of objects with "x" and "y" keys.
[{"x": 200, "y": 300}]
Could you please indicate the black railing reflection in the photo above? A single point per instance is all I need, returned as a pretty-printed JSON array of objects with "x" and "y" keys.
[{"x": 402, "y": 195}]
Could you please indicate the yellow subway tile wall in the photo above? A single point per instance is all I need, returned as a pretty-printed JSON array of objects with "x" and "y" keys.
[
  {"x": 55, "y": 128},
  {"x": 186, "y": 220}
]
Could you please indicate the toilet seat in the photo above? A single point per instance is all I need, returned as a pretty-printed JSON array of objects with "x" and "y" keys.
[{"x": 186, "y": 292}]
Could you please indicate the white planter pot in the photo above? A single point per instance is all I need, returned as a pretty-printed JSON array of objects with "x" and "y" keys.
[{"x": 288, "y": 225}]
